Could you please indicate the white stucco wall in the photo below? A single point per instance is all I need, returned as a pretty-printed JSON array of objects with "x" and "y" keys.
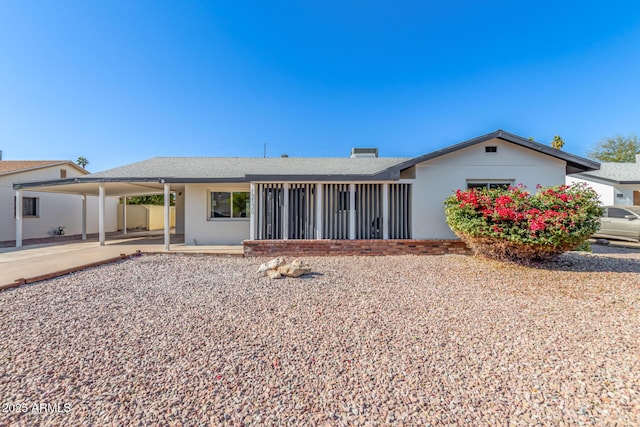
[
  {"x": 609, "y": 194},
  {"x": 54, "y": 209},
  {"x": 438, "y": 178},
  {"x": 199, "y": 229}
]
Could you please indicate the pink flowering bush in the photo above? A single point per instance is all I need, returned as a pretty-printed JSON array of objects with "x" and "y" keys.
[{"x": 516, "y": 225}]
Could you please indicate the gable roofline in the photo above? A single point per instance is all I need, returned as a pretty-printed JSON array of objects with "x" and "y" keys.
[
  {"x": 575, "y": 164},
  {"x": 41, "y": 164}
]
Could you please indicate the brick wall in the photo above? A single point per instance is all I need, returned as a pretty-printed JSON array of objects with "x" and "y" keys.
[{"x": 352, "y": 247}]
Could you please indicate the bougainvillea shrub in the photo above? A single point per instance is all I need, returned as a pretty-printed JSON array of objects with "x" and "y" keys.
[{"x": 514, "y": 224}]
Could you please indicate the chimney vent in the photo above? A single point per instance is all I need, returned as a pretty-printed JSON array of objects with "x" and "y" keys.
[
  {"x": 0, "y": 154},
  {"x": 364, "y": 152}
]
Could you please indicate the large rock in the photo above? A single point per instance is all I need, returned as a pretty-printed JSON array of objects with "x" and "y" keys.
[
  {"x": 273, "y": 274},
  {"x": 296, "y": 269},
  {"x": 271, "y": 265}
]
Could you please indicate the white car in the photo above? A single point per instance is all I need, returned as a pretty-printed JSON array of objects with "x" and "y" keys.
[{"x": 620, "y": 222}]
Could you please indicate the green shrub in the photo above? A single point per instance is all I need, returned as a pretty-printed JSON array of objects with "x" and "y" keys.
[{"x": 513, "y": 224}]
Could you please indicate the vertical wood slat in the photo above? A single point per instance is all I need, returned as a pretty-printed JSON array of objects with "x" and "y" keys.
[
  {"x": 400, "y": 211},
  {"x": 269, "y": 208},
  {"x": 301, "y": 211}
]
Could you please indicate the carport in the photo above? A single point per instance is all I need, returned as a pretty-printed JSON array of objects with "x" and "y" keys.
[{"x": 103, "y": 188}]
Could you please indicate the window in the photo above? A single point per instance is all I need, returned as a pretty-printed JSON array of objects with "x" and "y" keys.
[
  {"x": 489, "y": 185},
  {"x": 63, "y": 173},
  {"x": 491, "y": 149},
  {"x": 617, "y": 213},
  {"x": 229, "y": 204},
  {"x": 30, "y": 207}
]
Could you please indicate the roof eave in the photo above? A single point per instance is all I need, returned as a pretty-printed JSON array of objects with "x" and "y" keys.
[
  {"x": 574, "y": 163},
  {"x": 17, "y": 171}
]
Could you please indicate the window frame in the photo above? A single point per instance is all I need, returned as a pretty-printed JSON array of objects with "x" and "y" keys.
[
  {"x": 36, "y": 207},
  {"x": 211, "y": 217},
  {"x": 489, "y": 184}
]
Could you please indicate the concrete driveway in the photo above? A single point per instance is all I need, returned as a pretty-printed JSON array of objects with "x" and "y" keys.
[{"x": 38, "y": 262}]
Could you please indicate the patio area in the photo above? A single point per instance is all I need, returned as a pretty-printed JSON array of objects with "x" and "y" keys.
[{"x": 55, "y": 257}]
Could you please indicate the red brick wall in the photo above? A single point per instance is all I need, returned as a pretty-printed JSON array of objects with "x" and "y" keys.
[{"x": 352, "y": 247}]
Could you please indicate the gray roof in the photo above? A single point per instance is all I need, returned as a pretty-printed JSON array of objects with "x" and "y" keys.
[
  {"x": 617, "y": 173},
  {"x": 179, "y": 170},
  {"x": 211, "y": 169}
]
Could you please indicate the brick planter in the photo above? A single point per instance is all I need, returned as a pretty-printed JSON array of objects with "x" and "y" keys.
[{"x": 255, "y": 248}]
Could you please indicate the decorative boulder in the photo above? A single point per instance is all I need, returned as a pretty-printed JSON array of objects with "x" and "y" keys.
[
  {"x": 273, "y": 274},
  {"x": 271, "y": 265},
  {"x": 296, "y": 269}
]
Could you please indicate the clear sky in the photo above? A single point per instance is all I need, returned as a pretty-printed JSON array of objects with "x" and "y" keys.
[{"x": 119, "y": 81}]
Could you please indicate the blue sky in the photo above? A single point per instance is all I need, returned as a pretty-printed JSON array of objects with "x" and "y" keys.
[{"x": 122, "y": 81}]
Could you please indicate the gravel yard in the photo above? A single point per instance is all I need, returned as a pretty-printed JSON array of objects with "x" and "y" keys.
[{"x": 405, "y": 340}]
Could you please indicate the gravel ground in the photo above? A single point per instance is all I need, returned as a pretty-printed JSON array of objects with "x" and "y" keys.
[{"x": 404, "y": 340}]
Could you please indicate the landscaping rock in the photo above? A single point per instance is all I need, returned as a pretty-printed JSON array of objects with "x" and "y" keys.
[
  {"x": 273, "y": 274},
  {"x": 271, "y": 265},
  {"x": 296, "y": 269}
]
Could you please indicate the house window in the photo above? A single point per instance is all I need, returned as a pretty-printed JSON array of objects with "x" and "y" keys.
[
  {"x": 30, "y": 207},
  {"x": 63, "y": 173},
  {"x": 489, "y": 185},
  {"x": 229, "y": 204},
  {"x": 491, "y": 149}
]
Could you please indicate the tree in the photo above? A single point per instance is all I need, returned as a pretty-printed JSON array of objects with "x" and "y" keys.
[
  {"x": 617, "y": 149},
  {"x": 557, "y": 142},
  {"x": 82, "y": 161}
]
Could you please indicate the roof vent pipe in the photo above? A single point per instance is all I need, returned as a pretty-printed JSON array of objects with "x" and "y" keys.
[
  {"x": 637, "y": 157},
  {"x": 0, "y": 154},
  {"x": 364, "y": 152}
]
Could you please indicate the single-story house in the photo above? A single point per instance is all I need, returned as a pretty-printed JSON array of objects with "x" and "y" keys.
[
  {"x": 44, "y": 214},
  {"x": 271, "y": 202},
  {"x": 616, "y": 183}
]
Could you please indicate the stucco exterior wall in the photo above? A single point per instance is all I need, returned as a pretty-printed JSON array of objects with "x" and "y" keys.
[
  {"x": 148, "y": 217},
  {"x": 54, "y": 209},
  {"x": 609, "y": 194},
  {"x": 199, "y": 229},
  {"x": 438, "y": 178}
]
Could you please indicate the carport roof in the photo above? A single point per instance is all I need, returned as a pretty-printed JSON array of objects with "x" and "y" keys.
[{"x": 148, "y": 176}]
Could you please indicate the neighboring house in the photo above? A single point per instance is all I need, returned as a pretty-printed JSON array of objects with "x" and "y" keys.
[
  {"x": 616, "y": 183},
  {"x": 365, "y": 197},
  {"x": 44, "y": 213}
]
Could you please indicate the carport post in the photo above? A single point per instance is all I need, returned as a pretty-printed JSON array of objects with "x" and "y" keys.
[
  {"x": 84, "y": 217},
  {"x": 101, "y": 214},
  {"x": 18, "y": 218},
  {"x": 167, "y": 225},
  {"x": 124, "y": 215}
]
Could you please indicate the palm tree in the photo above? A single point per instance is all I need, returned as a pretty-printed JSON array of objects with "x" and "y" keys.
[{"x": 82, "y": 161}]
